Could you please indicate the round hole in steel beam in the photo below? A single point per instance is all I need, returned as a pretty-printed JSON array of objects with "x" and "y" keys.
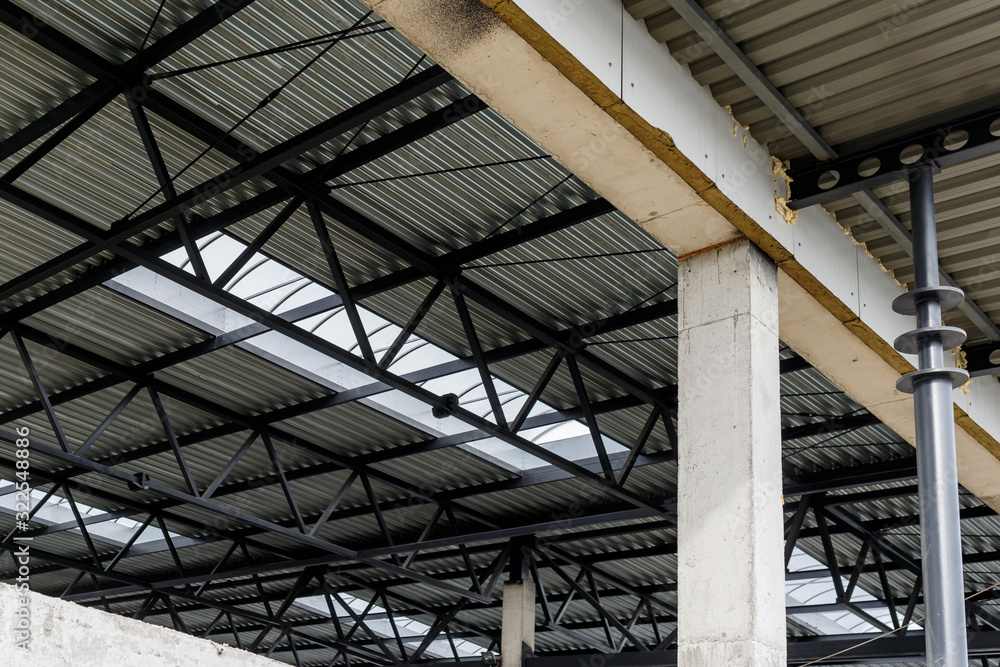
[
  {"x": 995, "y": 357},
  {"x": 956, "y": 140},
  {"x": 911, "y": 153},
  {"x": 995, "y": 128},
  {"x": 828, "y": 179},
  {"x": 869, "y": 167}
]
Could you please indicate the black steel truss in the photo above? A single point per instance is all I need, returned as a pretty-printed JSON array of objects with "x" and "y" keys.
[
  {"x": 293, "y": 555},
  {"x": 982, "y": 646}
]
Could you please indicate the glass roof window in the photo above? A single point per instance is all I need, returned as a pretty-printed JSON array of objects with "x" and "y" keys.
[
  {"x": 803, "y": 593},
  {"x": 53, "y": 510},
  {"x": 411, "y": 631},
  {"x": 276, "y": 288}
]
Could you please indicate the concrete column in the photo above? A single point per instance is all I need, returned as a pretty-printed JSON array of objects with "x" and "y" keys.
[
  {"x": 518, "y": 628},
  {"x": 731, "y": 582}
]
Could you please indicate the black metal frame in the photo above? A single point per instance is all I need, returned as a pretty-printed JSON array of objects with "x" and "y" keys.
[
  {"x": 629, "y": 620},
  {"x": 983, "y": 646},
  {"x": 977, "y": 358},
  {"x": 941, "y": 146}
]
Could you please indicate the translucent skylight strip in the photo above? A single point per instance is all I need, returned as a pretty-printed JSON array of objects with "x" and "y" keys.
[
  {"x": 821, "y": 591},
  {"x": 416, "y": 631},
  {"x": 56, "y": 511},
  {"x": 272, "y": 286}
]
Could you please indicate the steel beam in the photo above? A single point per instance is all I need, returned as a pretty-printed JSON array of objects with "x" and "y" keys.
[
  {"x": 272, "y": 159},
  {"x": 425, "y": 263},
  {"x": 863, "y": 475},
  {"x": 522, "y": 530},
  {"x": 943, "y": 145},
  {"x": 235, "y": 611},
  {"x": 717, "y": 39},
  {"x": 99, "y": 241},
  {"x": 399, "y": 278},
  {"x": 78, "y": 56}
]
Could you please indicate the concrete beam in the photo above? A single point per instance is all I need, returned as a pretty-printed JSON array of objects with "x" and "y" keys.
[
  {"x": 64, "y": 633},
  {"x": 595, "y": 90}
]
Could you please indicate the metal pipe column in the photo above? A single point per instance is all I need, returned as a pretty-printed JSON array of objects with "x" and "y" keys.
[{"x": 937, "y": 468}]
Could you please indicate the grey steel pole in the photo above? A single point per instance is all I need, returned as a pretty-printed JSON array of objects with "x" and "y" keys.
[{"x": 937, "y": 468}]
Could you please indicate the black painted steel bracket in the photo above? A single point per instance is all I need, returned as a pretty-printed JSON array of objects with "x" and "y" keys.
[{"x": 941, "y": 146}]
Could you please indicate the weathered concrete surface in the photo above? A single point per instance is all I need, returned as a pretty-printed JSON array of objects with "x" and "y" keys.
[
  {"x": 518, "y": 622},
  {"x": 730, "y": 565},
  {"x": 64, "y": 634}
]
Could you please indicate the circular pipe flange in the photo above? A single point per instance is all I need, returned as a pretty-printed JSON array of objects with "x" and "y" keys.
[
  {"x": 950, "y": 337},
  {"x": 950, "y": 297},
  {"x": 958, "y": 378}
]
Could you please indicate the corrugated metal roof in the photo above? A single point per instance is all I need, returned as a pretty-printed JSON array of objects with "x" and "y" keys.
[
  {"x": 593, "y": 270},
  {"x": 862, "y": 73},
  {"x": 857, "y": 68}
]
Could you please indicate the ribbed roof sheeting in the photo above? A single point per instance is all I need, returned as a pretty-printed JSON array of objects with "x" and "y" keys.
[
  {"x": 351, "y": 429},
  {"x": 594, "y": 270},
  {"x": 263, "y": 386},
  {"x": 807, "y": 397},
  {"x": 444, "y": 469},
  {"x": 98, "y": 172},
  {"x": 857, "y": 68},
  {"x": 56, "y": 372},
  {"x": 204, "y": 557},
  {"x": 897, "y": 521},
  {"x": 98, "y": 321},
  {"x": 41, "y": 86},
  {"x": 296, "y": 244},
  {"x": 29, "y": 242},
  {"x": 360, "y": 67},
  {"x": 554, "y": 497},
  {"x": 862, "y": 73},
  {"x": 494, "y": 194},
  {"x": 137, "y": 425},
  {"x": 624, "y": 424}
]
